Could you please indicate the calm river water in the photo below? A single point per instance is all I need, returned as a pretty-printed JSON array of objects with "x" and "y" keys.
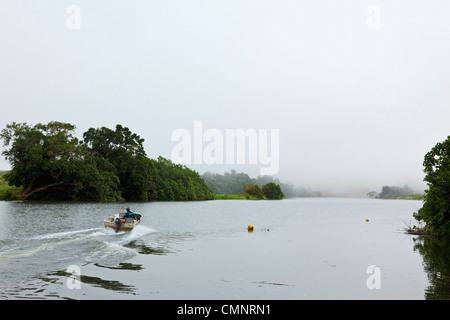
[{"x": 312, "y": 248}]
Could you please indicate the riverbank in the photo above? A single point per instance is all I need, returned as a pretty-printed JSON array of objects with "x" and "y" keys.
[
  {"x": 236, "y": 197},
  {"x": 8, "y": 192},
  {"x": 415, "y": 196}
]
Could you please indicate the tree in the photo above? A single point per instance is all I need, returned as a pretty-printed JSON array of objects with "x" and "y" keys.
[
  {"x": 234, "y": 182},
  {"x": 174, "y": 182},
  {"x": 254, "y": 190},
  {"x": 51, "y": 164},
  {"x": 372, "y": 194},
  {"x": 390, "y": 192},
  {"x": 272, "y": 191},
  {"x": 125, "y": 151},
  {"x": 435, "y": 211},
  {"x": 108, "y": 143}
]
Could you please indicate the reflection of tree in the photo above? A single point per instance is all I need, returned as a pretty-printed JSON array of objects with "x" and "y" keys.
[{"x": 436, "y": 261}]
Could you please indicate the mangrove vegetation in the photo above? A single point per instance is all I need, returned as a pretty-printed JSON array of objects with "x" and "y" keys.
[
  {"x": 435, "y": 212},
  {"x": 49, "y": 163}
]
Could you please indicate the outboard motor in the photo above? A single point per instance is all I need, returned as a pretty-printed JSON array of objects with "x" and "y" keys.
[{"x": 118, "y": 224}]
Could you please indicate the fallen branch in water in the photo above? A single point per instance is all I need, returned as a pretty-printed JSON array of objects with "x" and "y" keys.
[{"x": 419, "y": 230}]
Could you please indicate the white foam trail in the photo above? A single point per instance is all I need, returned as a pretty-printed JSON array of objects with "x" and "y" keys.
[
  {"x": 117, "y": 247},
  {"x": 60, "y": 239},
  {"x": 63, "y": 234},
  {"x": 112, "y": 232},
  {"x": 29, "y": 251},
  {"x": 21, "y": 252},
  {"x": 136, "y": 233},
  {"x": 110, "y": 251}
]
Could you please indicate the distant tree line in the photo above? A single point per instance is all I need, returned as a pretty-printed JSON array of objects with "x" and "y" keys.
[
  {"x": 271, "y": 191},
  {"x": 236, "y": 183},
  {"x": 228, "y": 183},
  {"x": 392, "y": 191},
  {"x": 49, "y": 163}
]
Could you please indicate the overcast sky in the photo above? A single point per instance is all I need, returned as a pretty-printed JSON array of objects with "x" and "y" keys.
[{"x": 359, "y": 90}]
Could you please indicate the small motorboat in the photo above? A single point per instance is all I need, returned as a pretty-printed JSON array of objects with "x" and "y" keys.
[{"x": 118, "y": 223}]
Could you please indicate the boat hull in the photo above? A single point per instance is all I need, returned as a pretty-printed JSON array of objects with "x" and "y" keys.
[{"x": 110, "y": 222}]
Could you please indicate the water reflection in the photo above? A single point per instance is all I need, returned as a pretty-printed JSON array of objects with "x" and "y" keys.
[
  {"x": 436, "y": 262},
  {"x": 94, "y": 281},
  {"x": 145, "y": 249},
  {"x": 122, "y": 266}
]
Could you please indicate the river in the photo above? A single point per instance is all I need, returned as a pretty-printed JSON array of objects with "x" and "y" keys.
[{"x": 306, "y": 248}]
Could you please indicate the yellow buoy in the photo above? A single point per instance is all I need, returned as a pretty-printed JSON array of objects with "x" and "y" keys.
[{"x": 250, "y": 228}]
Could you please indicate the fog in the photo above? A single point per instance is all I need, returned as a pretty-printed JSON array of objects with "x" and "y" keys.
[{"x": 358, "y": 90}]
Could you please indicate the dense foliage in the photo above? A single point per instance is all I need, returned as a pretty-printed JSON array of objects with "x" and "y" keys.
[
  {"x": 228, "y": 183},
  {"x": 122, "y": 152},
  {"x": 236, "y": 183},
  {"x": 171, "y": 181},
  {"x": 255, "y": 191},
  {"x": 8, "y": 192},
  {"x": 392, "y": 191},
  {"x": 272, "y": 191},
  {"x": 436, "y": 208},
  {"x": 108, "y": 165}
]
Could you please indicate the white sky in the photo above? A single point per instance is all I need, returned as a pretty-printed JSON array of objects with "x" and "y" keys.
[{"x": 355, "y": 107}]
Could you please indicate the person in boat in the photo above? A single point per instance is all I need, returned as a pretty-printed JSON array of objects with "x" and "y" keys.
[
  {"x": 119, "y": 221},
  {"x": 128, "y": 214}
]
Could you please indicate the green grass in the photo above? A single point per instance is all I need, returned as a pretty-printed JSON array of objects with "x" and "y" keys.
[
  {"x": 8, "y": 192},
  {"x": 2, "y": 173},
  {"x": 235, "y": 197},
  {"x": 416, "y": 196}
]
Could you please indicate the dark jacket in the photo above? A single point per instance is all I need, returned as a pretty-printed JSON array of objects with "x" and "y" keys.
[{"x": 128, "y": 214}]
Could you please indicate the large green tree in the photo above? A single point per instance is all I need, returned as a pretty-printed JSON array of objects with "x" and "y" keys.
[
  {"x": 172, "y": 182},
  {"x": 125, "y": 151},
  {"x": 254, "y": 190},
  {"x": 435, "y": 211},
  {"x": 272, "y": 191},
  {"x": 51, "y": 164}
]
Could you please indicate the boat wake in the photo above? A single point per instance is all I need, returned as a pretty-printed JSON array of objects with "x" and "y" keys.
[
  {"x": 138, "y": 232},
  {"x": 46, "y": 242},
  {"x": 65, "y": 234},
  {"x": 114, "y": 248},
  {"x": 85, "y": 244}
]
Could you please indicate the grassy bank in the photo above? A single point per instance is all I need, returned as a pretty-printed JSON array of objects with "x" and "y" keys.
[
  {"x": 235, "y": 197},
  {"x": 416, "y": 196},
  {"x": 8, "y": 192}
]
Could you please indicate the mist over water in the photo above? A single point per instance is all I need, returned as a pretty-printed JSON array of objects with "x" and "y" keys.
[{"x": 357, "y": 91}]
